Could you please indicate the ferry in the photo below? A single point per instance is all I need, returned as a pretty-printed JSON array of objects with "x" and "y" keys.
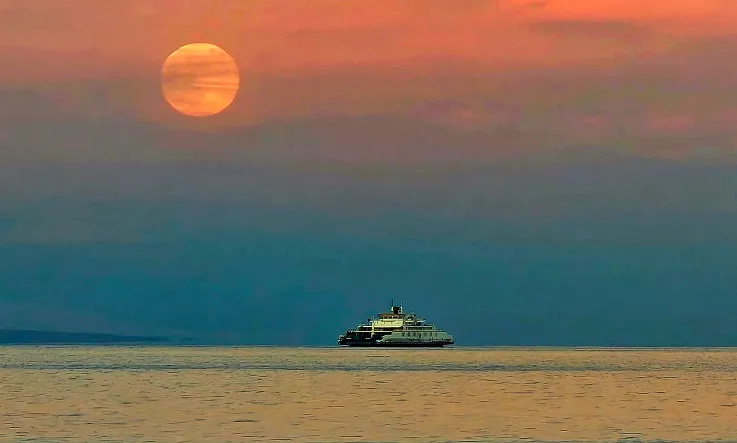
[{"x": 397, "y": 329}]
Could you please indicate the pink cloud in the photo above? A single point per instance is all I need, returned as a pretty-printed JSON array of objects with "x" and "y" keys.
[{"x": 669, "y": 123}]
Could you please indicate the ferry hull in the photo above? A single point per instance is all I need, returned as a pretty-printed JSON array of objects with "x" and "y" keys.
[{"x": 394, "y": 344}]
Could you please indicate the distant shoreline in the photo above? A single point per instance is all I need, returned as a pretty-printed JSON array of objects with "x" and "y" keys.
[
  {"x": 40, "y": 337},
  {"x": 20, "y": 337},
  {"x": 187, "y": 343}
]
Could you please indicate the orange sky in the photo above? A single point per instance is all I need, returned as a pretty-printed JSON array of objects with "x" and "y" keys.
[
  {"x": 284, "y": 34},
  {"x": 366, "y": 129},
  {"x": 347, "y": 56}
]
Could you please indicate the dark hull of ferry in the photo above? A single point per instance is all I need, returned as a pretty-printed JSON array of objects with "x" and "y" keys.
[{"x": 408, "y": 344}]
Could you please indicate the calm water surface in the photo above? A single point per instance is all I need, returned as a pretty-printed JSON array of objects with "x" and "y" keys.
[{"x": 219, "y": 394}]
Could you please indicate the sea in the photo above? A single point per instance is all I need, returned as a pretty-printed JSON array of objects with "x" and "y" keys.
[{"x": 455, "y": 394}]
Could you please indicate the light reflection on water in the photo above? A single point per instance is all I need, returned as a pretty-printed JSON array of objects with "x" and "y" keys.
[{"x": 167, "y": 394}]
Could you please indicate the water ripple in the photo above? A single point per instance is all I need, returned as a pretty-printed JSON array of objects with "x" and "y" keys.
[{"x": 214, "y": 394}]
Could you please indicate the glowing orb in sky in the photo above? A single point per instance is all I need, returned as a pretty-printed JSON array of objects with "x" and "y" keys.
[{"x": 200, "y": 79}]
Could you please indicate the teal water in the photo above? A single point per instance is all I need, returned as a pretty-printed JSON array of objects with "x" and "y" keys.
[{"x": 224, "y": 394}]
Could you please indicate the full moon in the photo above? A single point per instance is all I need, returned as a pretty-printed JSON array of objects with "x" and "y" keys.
[{"x": 200, "y": 79}]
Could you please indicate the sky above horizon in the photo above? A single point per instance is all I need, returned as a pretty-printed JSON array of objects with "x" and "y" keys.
[{"x": 519, "y": 171}]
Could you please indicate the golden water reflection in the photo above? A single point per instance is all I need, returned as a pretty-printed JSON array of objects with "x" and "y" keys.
[{"x": 260, "y": 394}]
